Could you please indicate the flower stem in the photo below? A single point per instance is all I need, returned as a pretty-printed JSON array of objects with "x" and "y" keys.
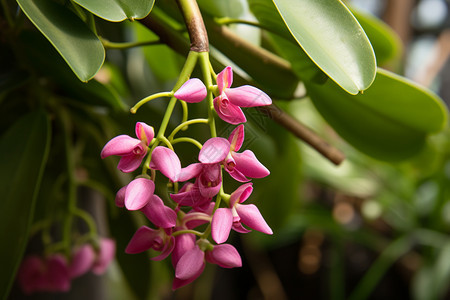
[
  {"x": 205, "y": 66},
  {"x": 188, "y": 140},
  {"x": 113, "y": 45},
  {"x": 134, "y": 109},
  {"x": 185, "y": 124}
]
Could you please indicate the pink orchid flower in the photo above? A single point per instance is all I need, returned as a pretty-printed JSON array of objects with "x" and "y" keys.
[
  {"x": 130, "y": 149},
  {"x": 105, "y": 256},
  {"x": 225, "y": 219},
  {"x": 82, "y": 260},
  {"x": 230, "y": 100},
  {"x": 136, "y": 194},
  {"x": 44, "y": 275},
  {"x": 191, "y": 265},
  {"x": 146, "y": 238},
  {"x": 192, "y": 91}
]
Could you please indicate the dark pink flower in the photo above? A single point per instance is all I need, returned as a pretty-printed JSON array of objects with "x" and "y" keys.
[
  {"x": 146, "y": 238},
  {"x": 225, "y": 219},
  {"x": 230, "y": 100},
  {"x": 105, "y": 256},
  {"x": 136, "y": 194},
  {"x": 131, "y": 150},
  {"x": 225, "y": 256},
  {"x": 82, "y": 260}
]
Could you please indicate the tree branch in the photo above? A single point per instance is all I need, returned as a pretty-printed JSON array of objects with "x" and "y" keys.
[{"x": 194, "y": 24}]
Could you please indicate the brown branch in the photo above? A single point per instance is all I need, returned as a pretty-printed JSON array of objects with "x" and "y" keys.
[
  {"x": 194, "y": 24},
  {"x": 304, "y": 133}
]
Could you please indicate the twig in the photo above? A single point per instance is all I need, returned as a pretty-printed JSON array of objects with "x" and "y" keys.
[{"x": 194, "y": 24}]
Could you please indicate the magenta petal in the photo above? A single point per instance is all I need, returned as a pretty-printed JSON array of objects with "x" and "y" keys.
[
  {"x": 190, "y": 264},
  {"x": 120, "y": 197},
  {"x": 120, "y": 145},
  {"x": 236, "y": 138},
  {"x": 159, "y": 214},
  {"x": 225, "y": 256},
  {"x": 248, "y": 165},
  {"x": 57, "y": 275},
  {"x": 167, "y": 162},
  {"x": 177, "y": 283},
  {"x": 31, "y": 274},
  {"x": 191, "y": 171},
  {"x": 237, "y": 175},
  {"x": 143, "y": 239},
  {"x": 251, "y": 217},
  {"x": 105, "y": 256},
  {"x": 144, "y": 132},
  {"x": 192, "y": 91},
  {"x": 241, "y": 194},
  {"x": 183, "y": 243},
  {"x": 214, "y": 150},
  {"x": 82, "y": 261},
  {"x": 138, "y": 193},
  {"x": 229, "y": 112},
  {"x": 169, "y": 245},
  {"x": 224, "y": 79},
  {"x": 221, "y": 223},
  {"x": 129, "y": 163},
  {"x": 248, "y": 96},
  {"x": 237, "y": 226}
]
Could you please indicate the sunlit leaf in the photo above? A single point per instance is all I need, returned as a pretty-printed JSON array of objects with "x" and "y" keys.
[
  {"x": 77, "y": 44},
  {"x": 333, "y": 39},
  {"x": 23, "y": 154},
  {"x": 389, "y": 121},
  {"x": 118, "y": 10},
  {"x": 385, "y": 42}
]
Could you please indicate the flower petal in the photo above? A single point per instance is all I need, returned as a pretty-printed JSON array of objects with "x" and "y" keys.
[
  {"x": 129, "y": 163},
  {"x": 229, "y": 112},
  {"x": 225, "y": 79},
  {"x": 236, "y": 138},
  {"x": 31, "y": 274},
  {"x": 177, "y": 283},
  {"x": 221, "y": 223},
  {"x": 105, "y": 256},
  {"x": 82, "y": 260},
  {"x": 167, "y": 162},
  {"x": 143, "y": 239},
  {"x": 159, "y": 214},
  {"x": 120, "y": 197},
  {"x": 138, "y": 193},
  {"x": 248, "y": 96},
  {"x": 190, "y": 264},
  {"x": 241, "y": 194},
  {"x": 214, "y": 150},
  {"x": 183, "y": 243},
  {"x": 192, "y": 91},
  {"x": 169, "y": 245},
  {"x": 251, "y": 217},
  {"x": 57, "y": 275},
  {"x": 120, "y": 145},
  {"x": 249, "y": 165},
  {"x": 144, "y": 132},
  {"x": 191, "y": 171},
  {"x": 225, "y": 256}
]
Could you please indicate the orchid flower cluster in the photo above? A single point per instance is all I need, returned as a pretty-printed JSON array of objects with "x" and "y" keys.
[
  {"x": 54, "y": 272},
  {"x": 176, "y": 220}
]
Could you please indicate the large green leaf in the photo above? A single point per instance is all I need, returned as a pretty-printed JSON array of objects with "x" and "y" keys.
[
  {"x": 118, "y": 10},
  {"x": 23, "y": 154},
  {"x": 385, "y": 42},
  {"x": 333, "y": 39},
  {"x": 389, "y": 121},
  {"x": 77, "y": 44}
]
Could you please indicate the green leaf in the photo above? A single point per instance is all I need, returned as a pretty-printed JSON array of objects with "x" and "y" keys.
[
  {"x": 333, "y": 39},
  {"x": 23, "y": 154},
  {"x": 389, "y": 121},
  {"x": 77, "y": 44},
  {"x": 118, "y": 10},
  {"x": 385, "y": 42},
  {"x": 220, "y": 8}
]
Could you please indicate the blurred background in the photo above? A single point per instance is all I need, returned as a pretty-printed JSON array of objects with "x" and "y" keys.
[{"x": 364, "y": 230}]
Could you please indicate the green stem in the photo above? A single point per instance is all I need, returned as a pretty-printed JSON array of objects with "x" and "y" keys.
[
  {"x": 134, "y": 109},
  {"x": 166, "y": 141},
  {"x": 188, "y": 67},
  {"x": 228, "y": 21},
  {"x": 126, "y": 45},
  {"x": 89, "y": 221},
  {"x": 185, "y": 113},
  {"x": 187, "y": 231},
  {"x": 185, "y": 124},
  {"x": 205, "y": 66},
  {"x": 187, "y": 140}
]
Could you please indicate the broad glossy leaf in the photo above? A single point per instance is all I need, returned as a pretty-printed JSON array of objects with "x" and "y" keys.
[
  {"x": 77, "y": 44},
  {"x": 23, "y": 153},
  {"x": 220, "y": 8},
  {"x": 333, "y": 39},
  {"x": 385, "y": 42},
  {"x": 118, "y": 10},
  {"x": 389, "y": 121}
]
